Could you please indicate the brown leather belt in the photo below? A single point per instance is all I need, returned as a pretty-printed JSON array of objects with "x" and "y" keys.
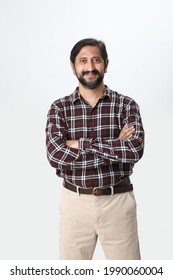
[{"x": 120, "y": 187}]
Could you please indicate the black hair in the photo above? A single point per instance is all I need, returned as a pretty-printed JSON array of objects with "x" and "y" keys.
[{"x": 88, "y": 42}]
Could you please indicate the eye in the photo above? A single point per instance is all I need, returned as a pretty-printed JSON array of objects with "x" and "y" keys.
[
  {"x": 97, "y": 60},
  {"x": 82, "y": 61}
]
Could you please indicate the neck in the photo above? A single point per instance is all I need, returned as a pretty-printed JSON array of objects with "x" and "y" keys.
[{"x": 92, "y": 95}]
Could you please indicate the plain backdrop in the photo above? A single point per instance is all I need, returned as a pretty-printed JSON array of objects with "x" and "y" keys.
[{"x": 36, "y": 37}]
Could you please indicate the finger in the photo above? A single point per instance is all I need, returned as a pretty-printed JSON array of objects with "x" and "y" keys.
[
  {"x": 128, "y": 130},
  {"x": 124, "y": 128},
  {"x": 126, "y": 133}
]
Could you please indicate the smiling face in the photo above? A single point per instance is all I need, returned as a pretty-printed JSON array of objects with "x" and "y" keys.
[{"x": 89, "y": 67}]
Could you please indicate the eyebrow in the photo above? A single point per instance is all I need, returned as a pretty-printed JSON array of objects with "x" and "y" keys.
[{"x": 85, "y": 57}]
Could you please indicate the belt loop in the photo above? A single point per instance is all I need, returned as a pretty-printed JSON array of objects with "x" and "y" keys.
[
  {"x": 77, "y": 190},
  {"x": 112, "y": 190}
]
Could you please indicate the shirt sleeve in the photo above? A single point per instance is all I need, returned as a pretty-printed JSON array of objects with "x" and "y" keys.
[
  {"x": 120, "y": 150},
  {"x": 61, "y": 156}
]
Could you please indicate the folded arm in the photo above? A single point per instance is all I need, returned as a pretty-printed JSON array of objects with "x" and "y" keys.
[
  {"x": 91, "y": 153},
  {"x": 125, "y": 133},
  {"x": 61, "y": 154},
  {"x": 127, "y": 148}
]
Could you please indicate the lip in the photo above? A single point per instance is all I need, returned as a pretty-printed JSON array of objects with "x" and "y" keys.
[{"x": 90, "y": 74}]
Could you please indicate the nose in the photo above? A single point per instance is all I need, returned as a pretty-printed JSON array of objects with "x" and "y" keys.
[{"x": 90, "y": 65}]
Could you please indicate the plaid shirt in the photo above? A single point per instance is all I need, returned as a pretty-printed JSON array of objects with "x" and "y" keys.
[{"x": 102, "y": 159}]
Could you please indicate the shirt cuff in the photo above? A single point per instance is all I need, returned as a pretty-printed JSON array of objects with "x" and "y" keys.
[{"x": 84, "y": 143}]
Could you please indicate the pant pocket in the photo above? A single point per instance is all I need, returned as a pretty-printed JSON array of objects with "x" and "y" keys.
[{"x": 131, "y": 193}]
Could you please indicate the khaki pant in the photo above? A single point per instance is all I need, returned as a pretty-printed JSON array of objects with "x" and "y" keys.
[{"x": 112, "y": 218}]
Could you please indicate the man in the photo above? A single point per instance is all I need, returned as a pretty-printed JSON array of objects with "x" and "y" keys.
[{"x": 94, "y": 138}]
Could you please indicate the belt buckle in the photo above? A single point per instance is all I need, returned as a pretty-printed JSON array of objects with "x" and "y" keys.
[{"x": 97, "y": 191}]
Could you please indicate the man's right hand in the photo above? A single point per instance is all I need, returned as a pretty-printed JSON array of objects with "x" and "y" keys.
[{"x": 126, "y": 132}]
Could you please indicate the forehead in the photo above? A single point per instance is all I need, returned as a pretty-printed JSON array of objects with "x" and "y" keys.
[{"x": 89, "y": 51}]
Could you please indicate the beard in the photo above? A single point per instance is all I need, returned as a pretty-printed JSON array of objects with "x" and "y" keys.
[{"x": 91, "y": 84}]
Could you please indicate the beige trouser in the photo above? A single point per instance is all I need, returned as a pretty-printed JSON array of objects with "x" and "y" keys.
[{"x": 112, "y": 218}]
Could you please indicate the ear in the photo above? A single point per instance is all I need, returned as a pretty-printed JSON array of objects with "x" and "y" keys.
[
  {"x": 106, "y": 65},
  {"x": 73, "y": 68}
]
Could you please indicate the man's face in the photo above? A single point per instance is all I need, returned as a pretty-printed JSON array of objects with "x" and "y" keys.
[{"x": 89, "y": 67}]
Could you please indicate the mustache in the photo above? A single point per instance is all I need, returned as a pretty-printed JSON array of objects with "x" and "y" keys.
[{"x": 87, "y": 72}]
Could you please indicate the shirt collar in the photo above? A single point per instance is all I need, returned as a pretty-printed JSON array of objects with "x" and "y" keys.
[{"x": 76, "y": 94}]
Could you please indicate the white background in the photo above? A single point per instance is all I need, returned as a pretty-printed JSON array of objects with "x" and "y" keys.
[{"x": 35, "y": 43}]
